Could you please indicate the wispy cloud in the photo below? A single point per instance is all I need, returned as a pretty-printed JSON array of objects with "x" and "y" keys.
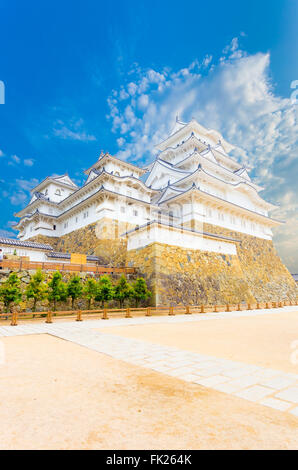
[
  {"x": 28, "y": 162},
  {"x": 26, "y": 185},
  {"x": 7, "y": 234},
  {"x": 18, "y": 191},
  {"x": 74, "y": 130},
  {"x": 234, "y": 95},
  {"x": 15, "y": 160}
]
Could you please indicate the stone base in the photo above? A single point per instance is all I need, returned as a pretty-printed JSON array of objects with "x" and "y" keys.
[
  {"x": 182, "y": 276},
  {"x": 264, "y": 272},
  {"x": 95, "y": 239}
]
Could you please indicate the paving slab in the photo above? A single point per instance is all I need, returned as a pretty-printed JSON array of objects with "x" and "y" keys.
[{"x": 265, "y": 386}]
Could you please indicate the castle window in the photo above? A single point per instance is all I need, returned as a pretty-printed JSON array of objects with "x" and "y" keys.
[
  {"x": 122, "y": 210},
  {"x": 54, "y": 227},
  {"x": 66, "y": 225},
  {"x": 58, "y": 192},
  {"x": 135, "y": 213},
  {"x": 46, "y": 192}
]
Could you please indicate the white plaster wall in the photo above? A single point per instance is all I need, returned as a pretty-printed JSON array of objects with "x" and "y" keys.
[
  {"x": 183, "y": 239},
  {"x": 52, "y": 189},
  {"x": 34, "y": 254}
]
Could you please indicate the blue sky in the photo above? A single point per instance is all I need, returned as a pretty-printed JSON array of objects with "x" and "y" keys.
[{"x": 82, "y": 77}]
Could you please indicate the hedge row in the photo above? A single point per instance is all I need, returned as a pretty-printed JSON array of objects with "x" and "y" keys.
[{"x": 56, "y": 290}]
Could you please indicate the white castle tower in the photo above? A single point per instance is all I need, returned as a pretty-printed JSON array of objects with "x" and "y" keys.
[
  {"x": 192, "y": 222},
  {"x": 193, "y": 180}
]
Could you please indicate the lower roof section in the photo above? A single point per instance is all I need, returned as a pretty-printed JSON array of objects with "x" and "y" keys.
[{"x": 25, "y": 244}]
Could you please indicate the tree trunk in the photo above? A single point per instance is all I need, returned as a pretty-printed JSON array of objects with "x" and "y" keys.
[
  {"x": 89, "y": 304},
  {"x": 34, "y": 305},
  {"x": 72, "y": 303},
  {"x": 7, "y": 305},
  {"x": 55, "y": 305}
]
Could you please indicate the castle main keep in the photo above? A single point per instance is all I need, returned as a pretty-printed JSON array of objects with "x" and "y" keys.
[{"x": 192, "y": 222}]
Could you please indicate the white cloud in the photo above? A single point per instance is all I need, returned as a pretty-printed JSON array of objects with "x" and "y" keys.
[
  {"x": 18, "y": 198},
  {"x": 72, "y": 131},
  {"x": 143, "y": 101},
  {"x": 7, "y": 234},
  {"x": 236, "y": 97},
  {"x": 120, "y": 142},
  {"x": 18, "y": 191},
  {"x": 27, "y": 185},
  {"x": 14, "y": 159},
  {"x": 28, "y": 162}
]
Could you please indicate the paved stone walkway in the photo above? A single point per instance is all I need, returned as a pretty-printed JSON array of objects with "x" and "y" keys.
[{"x": 272, "y": 388}]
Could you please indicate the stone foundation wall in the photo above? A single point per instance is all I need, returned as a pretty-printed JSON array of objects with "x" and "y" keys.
[
  {"x": 263, "y": 270},
  {"x": 183, "y": 276},
  {"x": 179, "y": 276},
  {"x": 95, "y": 239}
]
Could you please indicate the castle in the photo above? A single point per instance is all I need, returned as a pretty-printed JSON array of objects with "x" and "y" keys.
[{"x": 193, "y": 221}]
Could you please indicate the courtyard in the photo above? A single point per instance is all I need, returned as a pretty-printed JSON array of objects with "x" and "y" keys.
[{"x": 209, "y": 381}]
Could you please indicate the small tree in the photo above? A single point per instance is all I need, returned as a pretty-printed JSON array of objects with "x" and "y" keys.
[
  {"x": 140, "y": 291},
  {"x": 57, "y": 289},
  {"x": 105, "y": 290},
  {"x": 37, "y": 288},
  {"x": 90, "y": 290},
  {"x": 10, "y": 291},
  {"x": 74, "y": 289},
  {"x": 122, "y": 290}
]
